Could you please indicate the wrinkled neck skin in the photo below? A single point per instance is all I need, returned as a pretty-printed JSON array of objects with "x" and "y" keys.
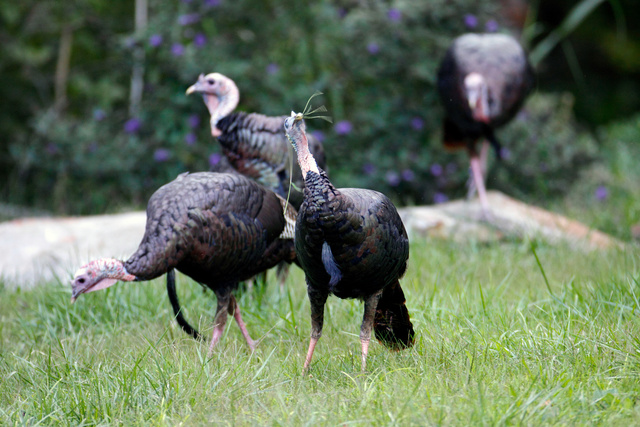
[
  {"x": 225, "y": 106},
  {"x": 305, "y": 158}
]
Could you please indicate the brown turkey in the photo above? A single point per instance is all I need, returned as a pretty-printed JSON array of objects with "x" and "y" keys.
[
  {"x": 216, "y": 228},
  {"x": 351, "y": 243},
  {"x": 254, "y": 144},
  {"x": 483, "y": 81}
]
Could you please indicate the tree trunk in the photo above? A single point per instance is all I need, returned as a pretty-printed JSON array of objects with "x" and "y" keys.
[
  {"x": 137, "y": 75},
  {"x": 62, "y": 68}
]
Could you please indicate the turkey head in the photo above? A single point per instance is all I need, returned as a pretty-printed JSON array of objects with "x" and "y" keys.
[{"x": 220, "y": 95}]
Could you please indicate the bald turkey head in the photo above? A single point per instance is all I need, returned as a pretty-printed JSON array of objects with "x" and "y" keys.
[
  {"x": 220, "y": 95},
  {"x": 477, "y": 93},
  {"x": 98, "y": 274},
  {"x": 295, "y": 129}
]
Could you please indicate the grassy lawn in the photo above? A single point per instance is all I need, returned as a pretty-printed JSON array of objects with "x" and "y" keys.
[{"x": 494, "y": 345}]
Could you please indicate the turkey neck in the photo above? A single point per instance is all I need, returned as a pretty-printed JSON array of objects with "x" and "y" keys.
[
  {"x": 227, "y": 103},
  {"x": 305, "y": 158}
]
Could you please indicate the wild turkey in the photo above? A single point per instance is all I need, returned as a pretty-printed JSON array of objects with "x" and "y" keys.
[
  {"x": 254, "y": 144},
  {"x": 483, "y": 81},
  {"x": 351, "y": 243},
  {"x": 216, "y": 228}
]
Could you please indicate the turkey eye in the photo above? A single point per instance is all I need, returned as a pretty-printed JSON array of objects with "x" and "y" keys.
[
  {"x": 81, "y": 280},
  {"x": 211, "y": 82}
]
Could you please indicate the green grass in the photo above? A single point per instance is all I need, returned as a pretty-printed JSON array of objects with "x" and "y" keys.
[{"x": 494, "y": 346}]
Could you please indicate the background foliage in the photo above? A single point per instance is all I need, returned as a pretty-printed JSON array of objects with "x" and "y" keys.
[{"x": 75, "y": 144}]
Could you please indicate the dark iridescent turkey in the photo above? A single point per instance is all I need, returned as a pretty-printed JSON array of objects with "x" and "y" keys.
[
  {"x": 483, "y": 81},
  {"x": 351, "y": 243},
  {"x": 254, "y": 144},
  {"x": 216, "y": 228}
]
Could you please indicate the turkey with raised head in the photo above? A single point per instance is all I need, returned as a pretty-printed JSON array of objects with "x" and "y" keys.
[
  {"x": 483, "y": 81},
  {"x": 254, "y": 144},
  {"x": 351, "y": 243},
  {"x": 216, "y": 228}
]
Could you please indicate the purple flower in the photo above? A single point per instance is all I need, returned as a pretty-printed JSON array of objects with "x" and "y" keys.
[
  {"x": 392, "y": 177},
  {"x": 491, "y": 26},
  {"x": 417, "y": 123},
  {"x": 99, "y": 114},
  {"x": 435, "y": 169},
  {"x": 342, "y": 12},
  {"x": 272, "y": 68},
  {"x": 369, "y": 169},
  {"x": 394, "y": 15},
  {"x": 194, "y": 121},
  {"x": 505, "y": 153},
  {"x": 155, "y": 40},
  {"x": 439, "y": 198},
  {"x": 177, "y": 49},
  {"x": 212, "y": 3},
  {"x": 161, "y": 155},
  {"x": 470, "y": 21},
  {"x": 92, "y": 147},
  {"x": 373, "y": 48},
  {"x": 408, "y": 175},
  {"x": 132, "y": 125},
  {"x": 319, "y": 135},
  {"x": 544, "y": 167},
  {"x": 190, "y": 138},
  {"x": 214, "y": 159},
  {"x": 343, "y": 127},
  {"x": 188, "y": 19},
  {"x": 602, "y": 193},
  {"x": 51, "y": 148},
  {"x": 199, "y": 40}
]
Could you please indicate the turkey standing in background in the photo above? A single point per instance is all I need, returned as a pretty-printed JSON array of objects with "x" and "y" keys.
[
  {"x": 483, "y": 81},
  {"x": 216, "y": 228},
  {"x": 350, "y": 242},
  {"x": 254, "y": 144}
]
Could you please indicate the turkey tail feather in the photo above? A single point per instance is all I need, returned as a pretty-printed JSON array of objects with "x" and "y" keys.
[
  {"x": 392, "y": 324},
  {"x": 173, "y": 297}
]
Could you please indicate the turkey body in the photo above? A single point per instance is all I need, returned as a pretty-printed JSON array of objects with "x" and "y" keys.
[
  {"x": 357, "y": 232},
  {"x": 509, "y": 78},
  {"x": 216, "y": 228}
]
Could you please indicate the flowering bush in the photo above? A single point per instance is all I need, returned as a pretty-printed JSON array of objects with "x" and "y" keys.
[{"x": 376, "y": 65}]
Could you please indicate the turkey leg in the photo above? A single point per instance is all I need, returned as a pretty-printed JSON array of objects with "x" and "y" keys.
[
  {"x": 241, "y": 324},
  {"x": 484, "y": 150},
  {"x": 477, "y": 172},
  {"x": 220, "y": 319},
  {"x": 317, "y": 301},
  {"x": 370, "y": 305}
]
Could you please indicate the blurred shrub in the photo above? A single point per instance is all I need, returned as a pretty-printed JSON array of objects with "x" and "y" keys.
[
  {"x": 544, "y": 150},
  {"x": 607, "y": 195},
  {"x": 374, "y": 61}
]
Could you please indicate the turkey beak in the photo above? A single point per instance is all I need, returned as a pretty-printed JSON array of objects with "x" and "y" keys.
[
  {"x": 74, "y": 294},
  {"x": 197, "y": 86}
]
